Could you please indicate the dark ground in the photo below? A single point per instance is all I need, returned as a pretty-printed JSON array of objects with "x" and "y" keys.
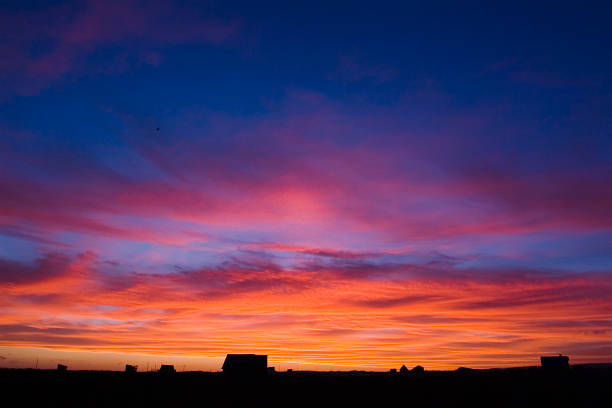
[{"x": 580, "y": 386}]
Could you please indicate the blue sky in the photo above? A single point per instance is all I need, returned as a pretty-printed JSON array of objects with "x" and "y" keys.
[{"x": 231, "y": 162}]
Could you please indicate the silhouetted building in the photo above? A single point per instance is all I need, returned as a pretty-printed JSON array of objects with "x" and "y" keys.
[
  {"x": 245, "y": 364},
  {"x": 555, "y": 362},
  {"x": 131, "y": 368},
  {"x": 404, "y": 370},
  {"x": 61, "y": 367},
  {"x": 417, "y": 370},
  {"x": 393, "y": 371},
  {"x": 167, "y": 369}
]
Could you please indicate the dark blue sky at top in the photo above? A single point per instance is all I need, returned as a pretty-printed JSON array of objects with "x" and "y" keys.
[{"x": 537, "y": 61}]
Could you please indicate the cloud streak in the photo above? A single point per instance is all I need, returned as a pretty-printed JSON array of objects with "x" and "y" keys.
[
  {"x": 77, "y": 31},
  {"x": 201, "y": 178},
  {"x": 187, "y": 309}
]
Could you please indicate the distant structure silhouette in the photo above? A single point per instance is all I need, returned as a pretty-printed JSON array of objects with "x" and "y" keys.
[
  {"x": 245, "y": 364},
  {"x": 393, "y": 371},
  {"x": 417, "y": 370},
  {"x": 555, "y": 362},
  {"x": 404, "y": 370},
  {"x": 167, "y": 369},
  {"x": 61, "y": 367},
  {"x": 131, "y": 368}
]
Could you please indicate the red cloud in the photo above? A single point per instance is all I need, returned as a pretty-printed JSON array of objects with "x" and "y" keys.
[{"x": 337, "y": 317}]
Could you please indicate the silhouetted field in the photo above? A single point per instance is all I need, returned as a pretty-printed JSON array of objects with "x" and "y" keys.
[{"x": 581, "y": 386}]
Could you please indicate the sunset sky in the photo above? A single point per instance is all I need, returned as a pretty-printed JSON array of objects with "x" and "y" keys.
[{"x": 337, "y": 185}]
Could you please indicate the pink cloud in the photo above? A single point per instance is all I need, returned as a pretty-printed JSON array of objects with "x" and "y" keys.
[
  {"x": 76, "y": 33},
  {"x": 275, "y": 175}
]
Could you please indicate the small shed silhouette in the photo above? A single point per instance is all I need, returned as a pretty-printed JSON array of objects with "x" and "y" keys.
[
  {"x": 246, "y": 364},
  {"x": 167, "y": 369},
  {"x": 555, "y": 362},
  {"x": 131, "y": 368},
  {"x": 61, "y": 367}
]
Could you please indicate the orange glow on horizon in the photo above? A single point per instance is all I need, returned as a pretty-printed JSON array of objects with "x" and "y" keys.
[{"x": 315, "y": 318}]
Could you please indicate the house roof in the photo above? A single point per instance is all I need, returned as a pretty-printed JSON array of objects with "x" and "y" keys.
[{"x": 249, "y": 360}]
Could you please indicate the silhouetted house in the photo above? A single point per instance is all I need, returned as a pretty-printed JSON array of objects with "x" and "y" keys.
[
  {"x": 404, "y": 370},
  {"x": 167, "y": 369},
  {"x": 131, "y": 368},
  {"x": 393, "y": 371},
  {"x": 245, "y": 364},
  {"x": 61, "y": 367},
  {"x": 417, "y": 370},
  {"x": 555, "y": 362}
]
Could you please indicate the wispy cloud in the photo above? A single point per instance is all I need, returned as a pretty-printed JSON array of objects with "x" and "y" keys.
[
  {"x": 60, "y": 308},
  {"x": 72, "y": 32}
]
